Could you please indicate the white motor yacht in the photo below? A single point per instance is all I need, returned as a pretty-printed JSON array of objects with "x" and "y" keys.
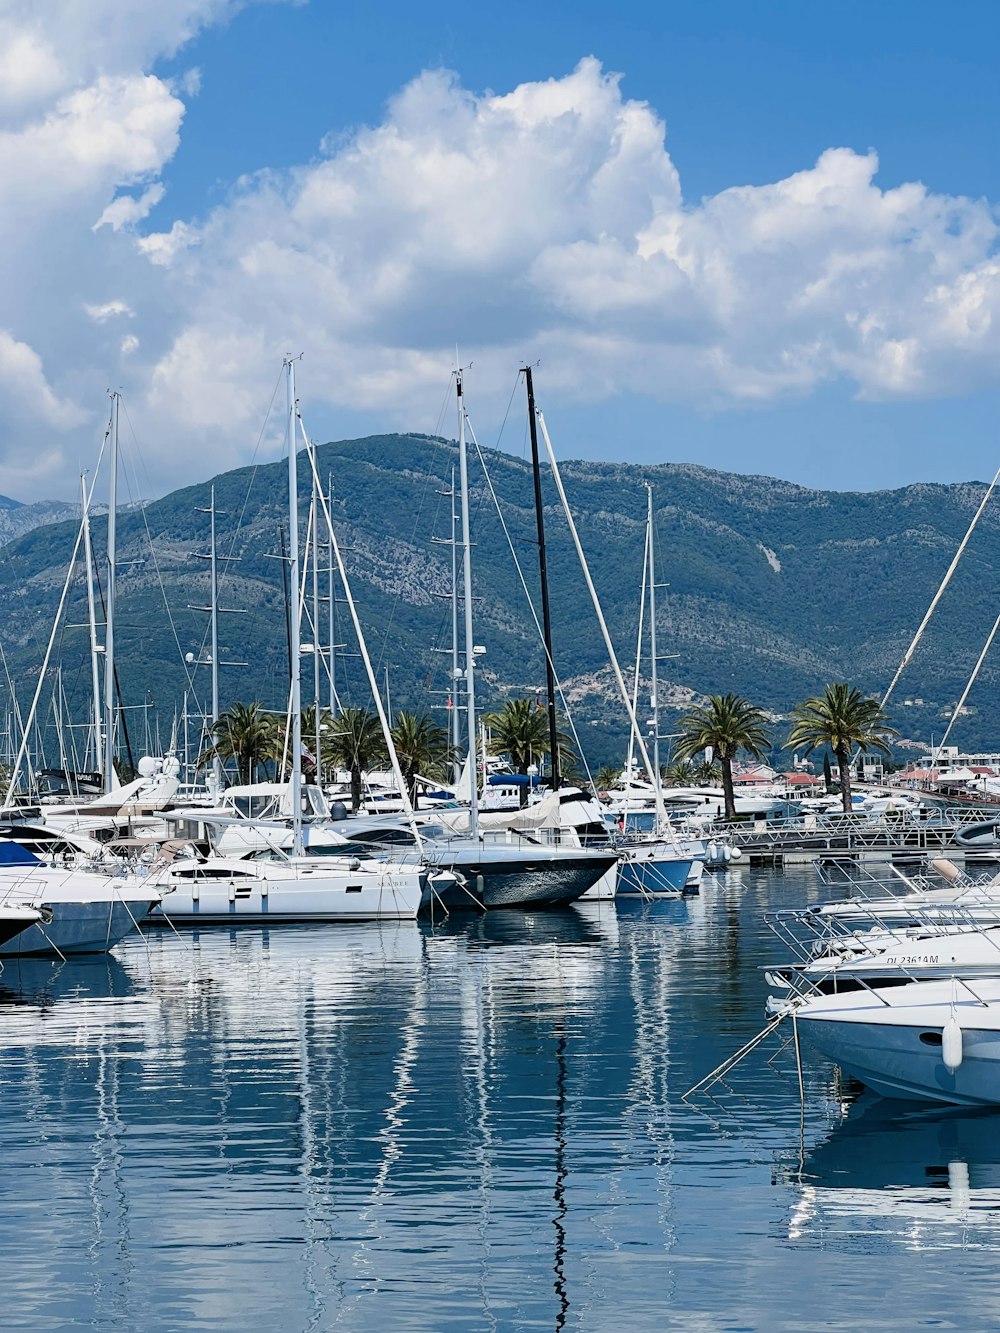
[
  {"x": 936, "y": 1041},
  {"x": 81, "y": 911},
  {"x": 878, "y": 958}
]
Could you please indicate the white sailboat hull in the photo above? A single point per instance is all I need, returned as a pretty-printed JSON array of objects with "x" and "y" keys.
[{"x": 225, "y": 892}]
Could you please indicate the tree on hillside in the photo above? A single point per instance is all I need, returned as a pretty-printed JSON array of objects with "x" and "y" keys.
[
  {"x": 727, "y": 723},
  {"x": 843, "y": 719},
  {"x": 422, "y": 747},
  {"x": 354, "y": 741},
  {"x": 520, "y": 730},
  {"x": 244, "y": 733}
]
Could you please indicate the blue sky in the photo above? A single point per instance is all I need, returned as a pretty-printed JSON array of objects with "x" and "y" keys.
[
  {"x": 750, "y": 92},
  {"x": 713, "y": 297}
]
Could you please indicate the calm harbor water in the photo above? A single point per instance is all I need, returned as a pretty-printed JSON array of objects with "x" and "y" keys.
[{"x": 478, "y": 1126}]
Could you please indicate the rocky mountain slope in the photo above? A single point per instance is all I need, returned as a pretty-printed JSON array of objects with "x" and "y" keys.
[{"x": 773, "y": 590}]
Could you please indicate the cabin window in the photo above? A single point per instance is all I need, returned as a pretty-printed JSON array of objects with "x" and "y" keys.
[{"x": 931, "y": 1038}]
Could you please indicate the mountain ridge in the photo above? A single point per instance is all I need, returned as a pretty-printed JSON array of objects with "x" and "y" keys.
[{"x": 855, "y": 573}]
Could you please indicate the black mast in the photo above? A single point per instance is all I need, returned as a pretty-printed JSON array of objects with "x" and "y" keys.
[{"x": 550, "y": 678}]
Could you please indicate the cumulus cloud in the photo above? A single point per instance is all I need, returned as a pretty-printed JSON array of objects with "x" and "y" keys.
[
  {"x": 85, "y": 131},
  {"x": 545, "y": 221},
  {"x": 126, "y": 210},
  {"x": 550, "y": 220},
  {"x": 109, "y": 310}
]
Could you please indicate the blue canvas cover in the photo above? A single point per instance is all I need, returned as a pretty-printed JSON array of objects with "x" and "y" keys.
[{"x": 13, "y": 854}]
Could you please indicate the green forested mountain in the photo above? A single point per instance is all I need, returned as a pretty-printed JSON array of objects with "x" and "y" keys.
[{"x": 773, "y": 589}]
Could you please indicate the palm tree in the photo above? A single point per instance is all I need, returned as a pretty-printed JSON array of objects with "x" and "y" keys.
[
  {"x": 844, "y": 719},
  {"x": 521, "y": 731},
  {"x": 422, "y": 747},
  {"x": 245, "y": 733},
  {"x": 354, "y": 740},
  {"x": 605, "y": 777},
  {"x": 728, "y": 723},
  {"x": 710, "y": 775},
  {"x": 679, "y": 775}
]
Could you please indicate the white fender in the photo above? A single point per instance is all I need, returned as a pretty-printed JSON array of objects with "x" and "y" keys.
[
  {"x": 737, "y": 854},
  {"x": 951, "y": 1045}
]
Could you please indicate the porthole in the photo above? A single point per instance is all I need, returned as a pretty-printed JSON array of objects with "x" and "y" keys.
[{"x": 931, "y": 1038}]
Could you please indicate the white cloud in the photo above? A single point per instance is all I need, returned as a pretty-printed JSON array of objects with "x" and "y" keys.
[
  {"x": 109, "y": 310},
  {"x": 26, "y": 390},
  {"x": 547, "y": 221},
  {"x": 126, "y": 210},
  {"x": 550, "y": 221},
  {"x": 82, "y": 118}
]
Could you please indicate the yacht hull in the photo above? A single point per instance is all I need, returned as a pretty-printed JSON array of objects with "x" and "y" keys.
[
  {"x": 895, "y": 1062},
  {"x": 244, "y": 892},
  {"x": 513, "y": 877},
  {"x": 652, "y": 876},
  {"x": 14, "y": 920},
  {"x": 79, "y": 927}
]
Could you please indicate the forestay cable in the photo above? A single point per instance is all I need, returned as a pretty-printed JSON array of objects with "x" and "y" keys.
[
  {"x": 907, "y": 656},
  {"x": 557, "y": 477},
  {"x": 527, "y": 595}
]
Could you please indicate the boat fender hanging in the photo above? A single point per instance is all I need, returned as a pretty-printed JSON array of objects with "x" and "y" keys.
[
  {"x": 948, "y": 870},
  {"x": 951, "y": 1045}
]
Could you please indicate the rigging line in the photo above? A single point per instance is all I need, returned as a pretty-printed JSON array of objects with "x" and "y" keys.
[
  {"x": 228, "y": 560},
  {"x": 33, "y": 711},
  {"x": 19, "y": 721},
  {"x": 399, "y": 596},
  {"x": 6, "y": 551},
  {"x": 630, "y": 755},
  {"x": 445, "y": 406},
  {"x": 937, "y": 596},
  {"x": 965, "y": 693},
  {"x": 665, "y": 601},
  {"x": 640, "y": 742},
  {"x": 531, "y": 606},
  {"x": 255, "y": 468},
  {"x": 510, "y": 401},
  {"x": 352, "y": 608},
  {"x": 189, "y": 675}
]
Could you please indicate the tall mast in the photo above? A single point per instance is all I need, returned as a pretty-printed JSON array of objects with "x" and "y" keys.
[
  {"x": 470, "y": 653},
  {"x": 95, "y": 671},
  {"x": 216, "y": 761},
  {"x": 654, "y": 699},
  {"x": 543, "y": 573},
  {"x": 455, "y": 720},
  {"x": 332, "y": 609},
  {"x": 109, "y": 634},
  {"x": 295, "y": 662},
  {"x": 315, "y": 617}
]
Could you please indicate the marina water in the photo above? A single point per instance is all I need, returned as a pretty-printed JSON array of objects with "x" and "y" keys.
[{"x": 476, "y": 1125}]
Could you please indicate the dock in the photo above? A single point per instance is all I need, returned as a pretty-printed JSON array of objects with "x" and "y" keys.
[{"x": 858, "y": 840}]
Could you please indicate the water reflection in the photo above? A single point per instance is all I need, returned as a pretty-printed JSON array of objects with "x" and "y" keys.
[
  {"x": 925, "y": 1179},
  {"x": 475, "y": 1125}
]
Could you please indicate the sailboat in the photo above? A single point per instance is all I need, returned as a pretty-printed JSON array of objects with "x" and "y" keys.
[
  {"x": 498, "y": 861},
  {"x": 293, "y": 884}
]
